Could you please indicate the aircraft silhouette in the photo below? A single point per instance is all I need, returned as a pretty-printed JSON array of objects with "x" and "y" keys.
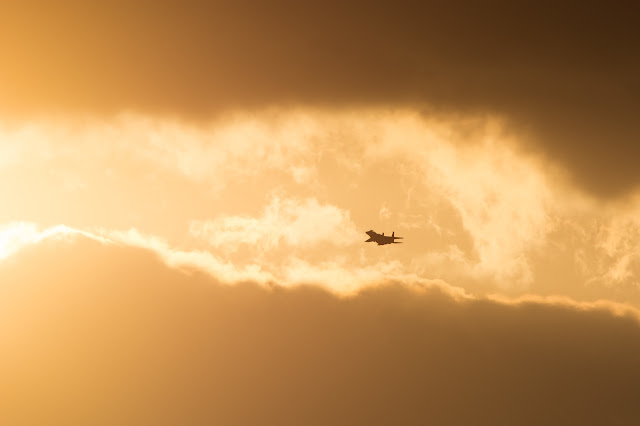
[{"x": 381, "y": 239}]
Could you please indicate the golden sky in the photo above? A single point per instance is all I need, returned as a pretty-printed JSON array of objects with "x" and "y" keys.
[{"x": 186, "y": 187}]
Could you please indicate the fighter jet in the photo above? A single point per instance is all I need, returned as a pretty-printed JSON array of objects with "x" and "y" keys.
[{"x": 381, "y": 239}]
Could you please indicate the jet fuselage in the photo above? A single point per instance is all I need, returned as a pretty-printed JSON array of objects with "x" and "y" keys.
[{"x": 381, "y": 239}]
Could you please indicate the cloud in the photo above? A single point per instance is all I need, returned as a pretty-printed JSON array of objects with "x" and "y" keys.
[
  {"x": 571, "y": 89},
  {"x": 384, "y": 213},
  {"x": 18, "y": 235},
  {"x": 224, "y": 271},
  {"x": 93, "y": 333},
  {"x": 338, "y": 274},
  {"x": 235, "y": 146},
  {"x": 231, "y": 147},
  {"x": 343, "y": 278},
  {"x": 503, "y": 196},
  {"x": 296, "y": 223},
  {"x": 613, "y": 240},
  {"x": 474, "y": 208}
]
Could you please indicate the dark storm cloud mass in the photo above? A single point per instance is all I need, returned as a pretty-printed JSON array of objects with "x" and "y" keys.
[
  {"x": 565, "y": 74},
  {"x": 94, "y": 334}
]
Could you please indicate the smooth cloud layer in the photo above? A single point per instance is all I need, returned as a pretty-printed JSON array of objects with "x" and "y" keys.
[
  {"x": 564, "y": 75},
  {"x": 96, "y": 334}
]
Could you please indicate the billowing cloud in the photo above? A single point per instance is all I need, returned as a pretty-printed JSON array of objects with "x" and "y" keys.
[
  {"x": 103, "y": 334},
  {"x": 502, "y": 195},
  {"x": 564, "y": 76},
  {"x": 297, "y": 223},
  {"x": 237, "y": 146},
  {"x": 271, "y": 194}
]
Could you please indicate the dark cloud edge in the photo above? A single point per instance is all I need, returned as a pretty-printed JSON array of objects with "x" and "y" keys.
[
  {"x": 97, "y": 333},
  {"x": 568, "y": 74}
]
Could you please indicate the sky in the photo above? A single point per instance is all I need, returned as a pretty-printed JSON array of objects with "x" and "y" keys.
[{"x": 186, "y": 188}]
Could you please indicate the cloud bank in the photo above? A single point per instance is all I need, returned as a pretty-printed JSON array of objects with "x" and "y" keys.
[
  {"x": 102, "y": 334},
  {"x": 564, "y": 76}
]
